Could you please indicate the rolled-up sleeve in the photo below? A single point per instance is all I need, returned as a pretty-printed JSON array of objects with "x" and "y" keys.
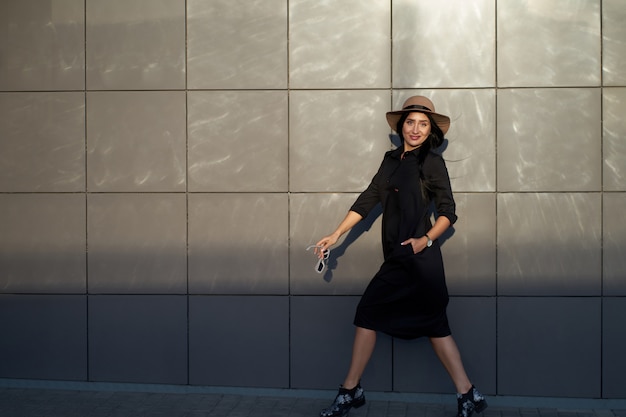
[
  {"x": 366, "y": 201},
  {"x": 369, "y": 198},
  {"x": 436, "y": 175}
]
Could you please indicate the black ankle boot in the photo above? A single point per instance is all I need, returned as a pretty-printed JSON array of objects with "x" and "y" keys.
[
  {"x": 344, "y": 401},
  {"x": 470, "y": 402}
]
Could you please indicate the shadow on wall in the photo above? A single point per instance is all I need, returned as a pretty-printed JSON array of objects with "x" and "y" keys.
[{"x": 363, "y": 226}]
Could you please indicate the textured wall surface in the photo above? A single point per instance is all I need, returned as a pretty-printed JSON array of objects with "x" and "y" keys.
[{"x": 165, "y": 163}]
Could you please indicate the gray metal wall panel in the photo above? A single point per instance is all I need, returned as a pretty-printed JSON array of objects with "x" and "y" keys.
[
  {"x": 464, "y": 53},
  {"x": 46, "y": 47},
  {"x": 43, "y": 337},
  {"x": 238, "y": 243},
  {"x": 239, "y": 341},
  {"x": 549, "y": 346},
  {"x": 138, "y": 338},
  {"x": 326, "y": 44},
  {"x": 137, "y": 243},
  {"x": 549, "y": 140},
  {"x": 238, "y": 141},
  {"x": 549, "y": 44},
  {"x": 43, "y": 142},
  {"x": 549, "y": 244},
  {"x": 136, "y": 45},
  {"x": 136, "y": 141},
  {"x": 613, "y": 45},
  {"x": 42, "y": 243},
  {"x": 237, "y": 44},
  {"x": 614, "y": 236},
  {"x": 614, "y": 132},
  {"x": 613, "y": 347}
]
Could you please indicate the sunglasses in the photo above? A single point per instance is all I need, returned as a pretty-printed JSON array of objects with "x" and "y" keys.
[{"x": 321, "y": 263}]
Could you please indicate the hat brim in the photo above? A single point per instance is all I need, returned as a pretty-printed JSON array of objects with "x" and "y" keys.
[{"x": 442, "y": 121}]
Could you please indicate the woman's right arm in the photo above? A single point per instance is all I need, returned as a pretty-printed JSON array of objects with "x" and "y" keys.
[
  {"x": 351, "y": 219},
  {"x": 361, "y": 207}
]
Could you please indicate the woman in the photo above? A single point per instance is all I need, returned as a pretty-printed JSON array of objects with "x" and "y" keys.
[{"x": 407, "y": 298}]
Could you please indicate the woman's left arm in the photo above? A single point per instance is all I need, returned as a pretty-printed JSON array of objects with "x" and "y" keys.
[
  {"x": 436, "y": 174},
  {"x": 420, "y": 243}
]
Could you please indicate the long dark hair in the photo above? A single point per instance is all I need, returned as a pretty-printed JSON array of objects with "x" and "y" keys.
[{"x": 432, "y": 142}]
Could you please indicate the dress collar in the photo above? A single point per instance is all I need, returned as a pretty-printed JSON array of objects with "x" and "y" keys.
[{"x": 399, "y": 153}]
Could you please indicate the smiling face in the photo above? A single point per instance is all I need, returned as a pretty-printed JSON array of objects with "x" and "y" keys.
[{"x": 415, "y": 130}]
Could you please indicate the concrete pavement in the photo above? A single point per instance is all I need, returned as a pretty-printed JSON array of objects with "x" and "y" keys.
[{"x": 25, "y": 398}]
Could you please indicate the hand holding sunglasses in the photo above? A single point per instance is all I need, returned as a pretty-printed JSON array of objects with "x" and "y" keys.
[{"x": 320, "y": 266}]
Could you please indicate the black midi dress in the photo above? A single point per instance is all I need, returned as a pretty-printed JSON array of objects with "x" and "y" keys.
[{"x": 408, "y": 297}]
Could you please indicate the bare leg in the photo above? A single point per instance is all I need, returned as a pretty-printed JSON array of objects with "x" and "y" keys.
[
  {"x": 364, "y": 342},
  {"x": 449, "y": 355}
]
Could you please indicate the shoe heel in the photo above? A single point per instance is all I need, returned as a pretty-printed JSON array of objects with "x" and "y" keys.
[
  {"x": 481, "y": 406},
  {"x": 359, "y": 402}
]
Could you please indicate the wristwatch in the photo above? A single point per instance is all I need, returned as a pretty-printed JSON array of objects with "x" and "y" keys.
[{"x": 430, "y": 242}]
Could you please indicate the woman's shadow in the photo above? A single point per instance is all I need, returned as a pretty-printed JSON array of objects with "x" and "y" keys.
[
  {"x": 361, "y": 227},
  {"x": 366, "y": 224}
]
